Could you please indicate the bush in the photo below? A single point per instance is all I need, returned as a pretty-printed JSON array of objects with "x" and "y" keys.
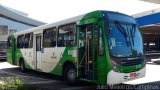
[{"x": 14, "y": 83}]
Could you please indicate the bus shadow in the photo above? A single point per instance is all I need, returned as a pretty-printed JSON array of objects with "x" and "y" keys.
[{"x": 31, "y": 74}]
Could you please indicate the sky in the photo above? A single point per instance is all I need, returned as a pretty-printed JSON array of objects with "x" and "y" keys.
[{"x": 55, "y": 10}]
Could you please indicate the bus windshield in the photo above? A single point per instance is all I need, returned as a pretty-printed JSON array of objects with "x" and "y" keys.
[
  {"x": 2, "y": 45},
  {"x": 125, "y": 40}
]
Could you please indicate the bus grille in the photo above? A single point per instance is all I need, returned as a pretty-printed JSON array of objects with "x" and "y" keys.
[
  {"x": 131, "y": 62},
  {"x": 2, "y": 53}
]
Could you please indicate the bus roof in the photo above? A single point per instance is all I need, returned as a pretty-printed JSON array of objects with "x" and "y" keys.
[
  {"x": 70, "y": 20},
  {"x": 116, "y": 16},
  {"x": 110, "y": 14}
]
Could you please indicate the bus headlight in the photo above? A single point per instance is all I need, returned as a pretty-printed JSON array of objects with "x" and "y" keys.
[{"x": 115, "y": 66}]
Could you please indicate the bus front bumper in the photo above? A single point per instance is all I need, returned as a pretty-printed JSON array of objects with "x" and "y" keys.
[
  {"x": 3, "y": 57},
  {"x": 117, "y": 77}
]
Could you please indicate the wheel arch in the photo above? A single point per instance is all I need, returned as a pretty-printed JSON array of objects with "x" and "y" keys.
[
  {"x": 20, "y": 60},
  {"x": 67, "y": 63}
]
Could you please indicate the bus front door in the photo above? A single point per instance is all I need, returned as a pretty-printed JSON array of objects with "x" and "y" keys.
[
  {"x": 88, "y": 52},
  {"x": 38, "y": 52}
]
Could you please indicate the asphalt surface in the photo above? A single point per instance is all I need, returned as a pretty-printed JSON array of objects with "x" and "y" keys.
[
  {"x": 39, "y": 79},
  {"x": 50, "y": 82}
]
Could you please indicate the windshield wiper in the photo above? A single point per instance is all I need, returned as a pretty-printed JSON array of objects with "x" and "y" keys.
[{"x": 132, "y": 31}]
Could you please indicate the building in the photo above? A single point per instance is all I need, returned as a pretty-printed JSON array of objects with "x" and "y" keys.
[
  {"x": 152, "y": 1},
  {"x": 149, "y": 22},
  {"x": 12, "y": 21}
]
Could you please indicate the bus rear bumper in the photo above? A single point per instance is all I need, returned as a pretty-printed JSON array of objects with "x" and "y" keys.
[{"x": 117, "y": 78}]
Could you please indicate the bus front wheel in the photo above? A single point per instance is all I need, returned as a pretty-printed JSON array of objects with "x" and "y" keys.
[{"x": 70, "y": 74}]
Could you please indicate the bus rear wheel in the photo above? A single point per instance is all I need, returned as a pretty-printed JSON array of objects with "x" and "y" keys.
[
  {"x": 22, "y": 65},
  {"x": 70, "y": 74}
]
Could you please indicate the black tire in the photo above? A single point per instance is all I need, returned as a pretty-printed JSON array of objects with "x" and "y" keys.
[
  {"x": 70, "y": 74},
  {"x": 22, "y": 65}
]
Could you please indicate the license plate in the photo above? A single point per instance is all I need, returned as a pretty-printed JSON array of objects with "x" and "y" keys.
[{"x": 133, "y": 75}]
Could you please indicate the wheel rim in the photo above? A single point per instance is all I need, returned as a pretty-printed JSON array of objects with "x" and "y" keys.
[{"x": 72, "y": 74}]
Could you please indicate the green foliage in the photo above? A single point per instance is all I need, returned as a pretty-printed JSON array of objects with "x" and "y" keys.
[
  {"x": 11, "y": 83},
  {"x": 14, "y": 83}
]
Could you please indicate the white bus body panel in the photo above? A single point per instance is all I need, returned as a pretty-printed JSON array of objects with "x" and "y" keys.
[
  {"x": 117, "y": 78},
  {"x": 51, "y": 58}
]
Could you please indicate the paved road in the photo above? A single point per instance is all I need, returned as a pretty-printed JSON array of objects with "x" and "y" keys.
[
  {"x": 40, "y": 79},
  {"x": 47, "y": 81}
]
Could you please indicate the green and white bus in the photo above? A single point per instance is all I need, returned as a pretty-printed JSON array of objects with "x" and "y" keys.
[{"x": 102, "y": 47}]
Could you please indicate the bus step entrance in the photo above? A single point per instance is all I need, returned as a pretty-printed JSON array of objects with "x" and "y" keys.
[{"x": 89, "y": 74}]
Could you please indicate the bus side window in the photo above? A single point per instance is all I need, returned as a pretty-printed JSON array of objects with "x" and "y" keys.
[
  {"x": 49, "y": 37},
  {"x": 67, "y": 35},
  {"x": 28, "y": 41},
  {"x": 20, "y": 41}
]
